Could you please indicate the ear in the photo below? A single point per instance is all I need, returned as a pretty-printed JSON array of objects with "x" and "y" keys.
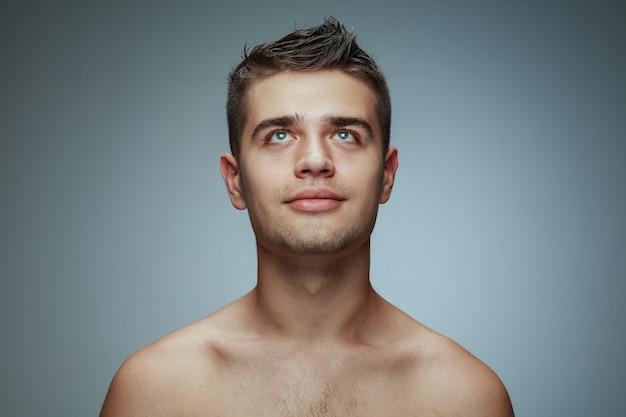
[
  {"x": 229, "y": 166},
  {"x": 389, "y": 174}
]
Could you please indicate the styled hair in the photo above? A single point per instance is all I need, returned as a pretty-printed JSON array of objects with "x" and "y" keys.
[{"x": 327, "y": 46}]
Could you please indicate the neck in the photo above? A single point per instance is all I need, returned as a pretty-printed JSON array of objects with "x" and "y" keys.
[{"x": 314, "y": 297}]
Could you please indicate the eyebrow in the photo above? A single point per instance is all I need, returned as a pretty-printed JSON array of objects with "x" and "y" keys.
[
  {"x": 292, "y": 120},
  {"x": 338, "y": 121},
  {"x": 282, "y": 121}
]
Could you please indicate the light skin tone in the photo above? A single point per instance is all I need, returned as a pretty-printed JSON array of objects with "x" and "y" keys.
[{"x": 313, "y": 338}]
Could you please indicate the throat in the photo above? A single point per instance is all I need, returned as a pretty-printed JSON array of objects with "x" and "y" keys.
[
  {"x": 313, "y": 296},
  {"x": 313, "y": 314}
]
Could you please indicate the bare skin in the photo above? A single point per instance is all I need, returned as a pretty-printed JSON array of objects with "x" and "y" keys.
[{"x": 312, "y": 338}]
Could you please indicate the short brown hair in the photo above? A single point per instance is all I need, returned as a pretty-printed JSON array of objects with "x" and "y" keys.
[{"x": 327, "y": 46}]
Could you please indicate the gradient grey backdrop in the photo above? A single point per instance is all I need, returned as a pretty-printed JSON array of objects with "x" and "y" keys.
[{"x": 506, "y": 230}]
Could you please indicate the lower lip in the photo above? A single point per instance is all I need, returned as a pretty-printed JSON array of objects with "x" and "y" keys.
[{"x": 315, "y": 204}]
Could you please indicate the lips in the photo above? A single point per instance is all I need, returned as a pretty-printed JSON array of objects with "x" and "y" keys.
[{"x": 314, "y": 199}]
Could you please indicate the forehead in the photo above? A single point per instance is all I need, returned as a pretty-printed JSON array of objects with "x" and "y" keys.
[{"x": 312, "y": 94}]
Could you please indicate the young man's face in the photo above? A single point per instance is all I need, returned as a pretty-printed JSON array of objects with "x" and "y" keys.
[{"x": 311, "y": 170}]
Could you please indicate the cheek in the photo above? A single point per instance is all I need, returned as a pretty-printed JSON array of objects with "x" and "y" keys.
[
  {"x": 246, "y": 186},
  {"x": 369, "y": 177},
  {"x": 256, "y": 189},
  {"x": 367, "y": 193}
]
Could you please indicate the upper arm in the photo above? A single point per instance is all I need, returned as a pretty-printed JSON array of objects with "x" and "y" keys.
[
  {"x": 148, "y": 383},
  {"x": 490, "y": 397},
  {"x": 479, "y": 392},
  {"x": 132, "y": 392}
]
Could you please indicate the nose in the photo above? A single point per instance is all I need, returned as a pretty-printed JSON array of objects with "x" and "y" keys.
[{"x": 314, "y": 159}]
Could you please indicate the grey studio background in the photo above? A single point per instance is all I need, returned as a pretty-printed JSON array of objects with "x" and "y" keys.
[{"x": 506, "y": 230}]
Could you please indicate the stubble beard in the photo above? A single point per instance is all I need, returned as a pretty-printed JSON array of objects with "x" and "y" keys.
[
  {"x": 313, "y": 238},
  {"x": 317, "y": 235}
]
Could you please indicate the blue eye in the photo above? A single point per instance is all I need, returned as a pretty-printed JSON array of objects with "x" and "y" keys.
[
  {"x": 345, "y": 136},
  {"x": 279, "y": 136}
]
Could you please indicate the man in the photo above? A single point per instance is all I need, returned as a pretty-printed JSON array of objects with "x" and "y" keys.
[{"x": 309, "y": 121}]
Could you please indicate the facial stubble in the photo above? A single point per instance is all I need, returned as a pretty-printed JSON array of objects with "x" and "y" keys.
[{"x": 310, "y": 233}]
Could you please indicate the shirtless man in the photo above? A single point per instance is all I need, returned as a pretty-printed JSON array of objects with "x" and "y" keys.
[{"x": 309, "y": 122}]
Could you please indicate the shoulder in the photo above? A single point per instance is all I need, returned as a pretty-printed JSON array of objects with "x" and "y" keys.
[
  {"x": 458, "y": 383},
  {"x": 148, "y": 380},
  {"x": 165, "y": 375},
  {"x": 440, "y": 377}
]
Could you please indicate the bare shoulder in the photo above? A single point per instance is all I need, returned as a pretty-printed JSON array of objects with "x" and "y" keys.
[
  {"x": 166, "y": 374},
  {"x": 457, "y": 383}
]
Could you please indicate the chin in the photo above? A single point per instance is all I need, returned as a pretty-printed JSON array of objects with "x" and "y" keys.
[{"x": 318, "y": 242}]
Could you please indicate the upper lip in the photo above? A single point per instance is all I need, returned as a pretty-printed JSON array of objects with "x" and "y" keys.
[{"x": 314, "y": 193}]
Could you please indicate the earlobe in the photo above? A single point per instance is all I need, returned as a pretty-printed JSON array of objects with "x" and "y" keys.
[
  {"x": 389, "y": 174},
  {"x": 229, "y": 167}
]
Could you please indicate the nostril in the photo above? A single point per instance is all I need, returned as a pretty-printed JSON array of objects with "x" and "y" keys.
[
  {"x": 314, "y": 158},
  {"x": 314, "y": 166}
]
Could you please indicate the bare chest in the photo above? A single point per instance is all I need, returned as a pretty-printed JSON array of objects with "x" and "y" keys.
[
  {"x": 280, "y": 382},
  {"x": 306, "y": 395}
]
